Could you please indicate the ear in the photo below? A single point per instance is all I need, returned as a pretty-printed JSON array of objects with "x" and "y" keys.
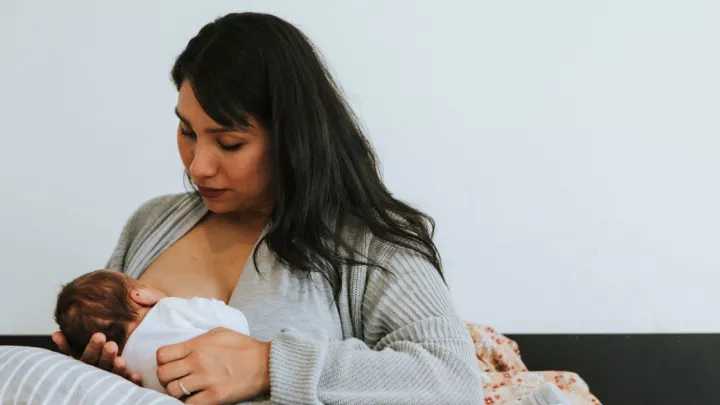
[{"x": 145, "y": 296}]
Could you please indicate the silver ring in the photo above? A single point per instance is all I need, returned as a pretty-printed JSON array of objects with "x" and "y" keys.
[{"x": 182, "y": 387}]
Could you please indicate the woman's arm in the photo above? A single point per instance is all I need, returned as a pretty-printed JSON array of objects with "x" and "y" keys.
[{"x": 416, "y": 349}]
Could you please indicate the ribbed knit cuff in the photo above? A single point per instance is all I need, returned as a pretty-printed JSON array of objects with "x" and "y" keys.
[{"x": 296, "y": 363}]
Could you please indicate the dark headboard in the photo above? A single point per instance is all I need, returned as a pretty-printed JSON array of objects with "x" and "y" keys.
[
  {"x": 640, "y": 369},
  {"x": 637, "y": 369}
]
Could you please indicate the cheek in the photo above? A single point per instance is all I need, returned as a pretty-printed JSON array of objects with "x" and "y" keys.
[
  {"x": 262, "y": 166},
  {"x": 186, "y": 151},
  {"x": 266, "y": 168},
  {"x": 250, "y": 172}
]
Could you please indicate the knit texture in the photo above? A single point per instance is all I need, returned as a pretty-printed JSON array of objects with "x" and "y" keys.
[{"x": 404, "y": 342}]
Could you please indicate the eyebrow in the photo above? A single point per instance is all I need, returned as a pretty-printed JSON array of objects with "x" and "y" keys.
[{"x": 219, "y": 130}]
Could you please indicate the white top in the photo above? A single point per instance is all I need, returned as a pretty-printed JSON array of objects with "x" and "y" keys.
[{"x": 174, "y": 320}]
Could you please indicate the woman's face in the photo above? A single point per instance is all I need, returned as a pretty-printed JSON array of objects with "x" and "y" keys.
[{"x": 230, "y": 167}]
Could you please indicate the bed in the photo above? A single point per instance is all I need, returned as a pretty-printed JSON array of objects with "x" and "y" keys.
[
  {"x": 506, "y": 379},
  {"x": 40, "y": 375}
]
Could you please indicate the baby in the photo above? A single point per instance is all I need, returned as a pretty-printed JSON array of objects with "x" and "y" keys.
[{"x": 101, "y": 301}]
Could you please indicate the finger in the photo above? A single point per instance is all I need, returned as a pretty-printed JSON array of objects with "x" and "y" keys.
[
  {"x": 92, "y": 352},
  {"x": 135, "y": 378},
  {"x": 192, "y": 384},
  {"x": 173, "y": 371},
  {"x": 201, "y": 398},
  {"x": 175, "y": 352},
  {"x": 120, "y": 367},
  {"x": 210, "y": 396},
  {"x": 107, "y": 358},
  {"x": 61, "y": 342}
]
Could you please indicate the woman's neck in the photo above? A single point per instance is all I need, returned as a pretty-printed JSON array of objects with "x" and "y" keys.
[{"x": 250, "y": 224}]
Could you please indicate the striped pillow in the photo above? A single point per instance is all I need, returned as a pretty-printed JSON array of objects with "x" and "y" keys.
[{"x": 33, "y": 376}]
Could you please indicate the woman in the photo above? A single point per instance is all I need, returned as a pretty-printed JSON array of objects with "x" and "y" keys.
[{"x": 341, "y": 282}]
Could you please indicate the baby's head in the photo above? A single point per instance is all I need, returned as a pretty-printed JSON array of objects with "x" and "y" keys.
[{"x": 101, "y": 301}]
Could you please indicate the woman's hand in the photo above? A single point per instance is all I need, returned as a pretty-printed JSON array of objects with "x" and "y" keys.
[
  {"x": 217, "y": 367},
  {"x": 100, "y": 354}
]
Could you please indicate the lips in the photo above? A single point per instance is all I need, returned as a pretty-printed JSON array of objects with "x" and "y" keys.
[{"x": 211, "y": 193}]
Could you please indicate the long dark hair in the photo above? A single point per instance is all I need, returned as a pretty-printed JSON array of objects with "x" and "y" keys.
[{"x": 324, "y": 170}]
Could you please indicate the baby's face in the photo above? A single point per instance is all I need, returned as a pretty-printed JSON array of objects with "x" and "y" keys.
[{"x": 131, "y": 326}]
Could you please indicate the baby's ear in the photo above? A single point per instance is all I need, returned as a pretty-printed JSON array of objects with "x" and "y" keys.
[{"x": 146, "y": 297}]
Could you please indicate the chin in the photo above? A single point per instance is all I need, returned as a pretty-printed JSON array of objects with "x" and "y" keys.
[
  {"x": 222, "y": 207},
  {"x": 218, "y": 207}
]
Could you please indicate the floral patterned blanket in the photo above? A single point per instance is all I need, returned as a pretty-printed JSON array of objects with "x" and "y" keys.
[{"x": 507, "y": 381}]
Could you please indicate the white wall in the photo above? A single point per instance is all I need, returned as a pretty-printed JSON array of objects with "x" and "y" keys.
[{"x": 568, "y": 150}]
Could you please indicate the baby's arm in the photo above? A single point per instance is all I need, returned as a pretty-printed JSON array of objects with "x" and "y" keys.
[
  {"x": 221, "y": 315},
  {"x": 230, "y": 318}
]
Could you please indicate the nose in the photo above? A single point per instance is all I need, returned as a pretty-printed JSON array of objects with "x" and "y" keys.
[{"x": 204, "y": 165}]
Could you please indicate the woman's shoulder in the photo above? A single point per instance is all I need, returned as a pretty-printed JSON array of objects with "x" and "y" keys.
[
  {"x": 358, "y": 236},
  {"x": 387, "y": 255},
  {"x": 152, "y": 213},
  {"x": 150, "y": 216},
  {"x": 162, "y": 205}
]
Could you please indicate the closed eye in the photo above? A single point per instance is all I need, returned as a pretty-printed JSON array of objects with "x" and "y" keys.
[
  {"x": 230, "y": 148},
  {"x": 227, "y": 148},
  {"x": 188, "y": 134}
]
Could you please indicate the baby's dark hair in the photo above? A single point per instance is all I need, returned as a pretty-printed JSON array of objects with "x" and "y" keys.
[{"x": 95, "y": 302}]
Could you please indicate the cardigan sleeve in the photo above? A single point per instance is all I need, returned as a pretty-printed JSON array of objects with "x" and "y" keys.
[{"x": 416, "y": 349}]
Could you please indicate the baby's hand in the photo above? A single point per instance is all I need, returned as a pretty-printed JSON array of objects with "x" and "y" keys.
[{"x": 100, "y": 354}]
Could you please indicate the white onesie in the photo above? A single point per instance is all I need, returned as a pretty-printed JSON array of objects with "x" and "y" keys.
[{"x": 174, "y": 320}]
